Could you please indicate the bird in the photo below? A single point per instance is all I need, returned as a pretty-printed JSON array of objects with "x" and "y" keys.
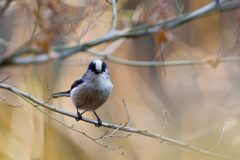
[{"x": 90, "y": 91}]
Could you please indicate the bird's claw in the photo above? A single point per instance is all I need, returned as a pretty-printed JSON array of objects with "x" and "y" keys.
[
  {"x": 79, "y": 116},
  {"x": 99, "y": 123}
]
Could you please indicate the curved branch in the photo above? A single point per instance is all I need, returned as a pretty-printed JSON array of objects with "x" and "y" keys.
[
  {"x": 165, "y": 63},
  {"x": 169, "y": 24},
  {"x": 34, "y": 101}
]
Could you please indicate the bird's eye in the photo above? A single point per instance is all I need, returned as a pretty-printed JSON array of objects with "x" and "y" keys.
[
  {"x": 104, "y": 67},
  {"x": 91, "y": 66}
]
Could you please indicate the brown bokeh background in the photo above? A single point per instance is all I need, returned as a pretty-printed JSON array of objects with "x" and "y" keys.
[{"x": 198, "y": 97}]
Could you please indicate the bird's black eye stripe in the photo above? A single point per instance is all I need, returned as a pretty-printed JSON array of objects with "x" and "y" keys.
[
  {"x": 104, "y": 66},
  {"x": 76, "y": 83},
  {"x": 92, "y": 66}
]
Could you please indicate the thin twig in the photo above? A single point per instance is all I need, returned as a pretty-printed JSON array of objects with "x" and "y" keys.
[
  {"x": 166, "y": 123},
  {"x": 220, "y": 138},
  {"x": 36, "y": 23},
  {"x": 5, "y": 79},
  {"x": 128, "y": 115},
  {"x": 179, "y": 7},
  {"x": 79, "y": 131},
  {"x": 31, "y": 99},
  {"x": 10, "y": 105},
  {"x": 111, "y": 135}
]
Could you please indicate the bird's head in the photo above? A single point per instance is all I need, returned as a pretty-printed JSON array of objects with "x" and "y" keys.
[{"x": 98, "y": 67}]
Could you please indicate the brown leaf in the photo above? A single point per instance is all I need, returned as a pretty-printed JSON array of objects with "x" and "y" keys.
[
  {"x": 213, "y": 61},
  {"x": 161, "y": 36}
]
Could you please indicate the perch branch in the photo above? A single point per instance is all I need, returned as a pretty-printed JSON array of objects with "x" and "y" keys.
[
  {"x": 31, "y": 99},
  {"x": 36, "y": 105}
]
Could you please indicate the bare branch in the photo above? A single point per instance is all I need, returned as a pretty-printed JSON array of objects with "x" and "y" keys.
[
  {"x": 114, "y": 15},
  {"x": 229, "y": 5},
  {"x": 4, "y": 79},
  {"x": 179, "y": 7},
  {"x": 36, "y": 103},
  {"x": 79, "y": 131},
  {"x": 111, "y": 135},
  {"x": 5, "y": 7},
  {"x": 156, "y": 63},
  {"x": 8, "y": 44},
  {"x": 36, "y": 23},
  {"x": 169, "y": 24},
  {"x": 45, "y": 57},
  {"x": 222, "y": 125},
  {"x": 10, "y": 105},
  {"x": 29, "y": 100},
  {"x": 10, "y": 60},
  {"x": 166, "y": 123},
  {"x": 129, "y": 120}
]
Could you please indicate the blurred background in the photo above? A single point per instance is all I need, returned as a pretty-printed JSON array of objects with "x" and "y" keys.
[{"x": 200, "y": 98}]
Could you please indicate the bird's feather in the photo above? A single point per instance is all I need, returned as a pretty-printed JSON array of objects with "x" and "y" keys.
[
  {"x": 61, "y": 94},
  {"x": 76, "y": 83}
]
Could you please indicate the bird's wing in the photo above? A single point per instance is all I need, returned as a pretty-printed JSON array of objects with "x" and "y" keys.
[
  {"x": 77, "y": 82},
  {"x": 67, "y": 93}
]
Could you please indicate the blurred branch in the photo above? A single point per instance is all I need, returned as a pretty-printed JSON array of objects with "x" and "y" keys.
[
  {"x": 128, "y": 115},
  {"x": 220, "y": 138},
  {"x": 1, "y": 81},
  {"x": 165, "y": 63},
  {"x": 8, "y": 44},
  {"x": 45, "y": 57},
  {"x": 5, "y": 7},
  {"x": 179, "y": 7},
  {"x": 36, "y": 23},
  {"x": 12, "y": 60},
  {"x": 63, "y": 52},
  {"x": 36, "y": 103},
  {"x": 230, "y": 5},
  {"x": 166, "y": 123},
  {"x": 10, "y": 105},
  {"x": 114, "y": 15}
]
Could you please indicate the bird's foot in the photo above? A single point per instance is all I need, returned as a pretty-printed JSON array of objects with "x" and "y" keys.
[
  {"x": 79, "y": 116},
  {"x": 98, "y": 119},
  {"x": 99, "y": 123}
]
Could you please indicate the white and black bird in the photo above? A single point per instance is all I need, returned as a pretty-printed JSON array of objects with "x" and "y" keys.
[{"x": 90, "y": 91}]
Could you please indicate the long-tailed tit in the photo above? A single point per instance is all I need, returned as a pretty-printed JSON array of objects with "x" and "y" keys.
[{"x": 90, "y": 91}]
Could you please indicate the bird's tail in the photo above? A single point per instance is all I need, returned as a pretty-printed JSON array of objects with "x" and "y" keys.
[{"x": 61, "y": 94}]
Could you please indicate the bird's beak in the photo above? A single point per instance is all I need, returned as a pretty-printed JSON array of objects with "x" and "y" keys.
[{"x": 98, "y": 71}]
